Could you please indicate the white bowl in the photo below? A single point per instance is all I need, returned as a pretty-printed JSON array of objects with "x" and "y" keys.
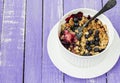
[{"x": 86, "y": 61}]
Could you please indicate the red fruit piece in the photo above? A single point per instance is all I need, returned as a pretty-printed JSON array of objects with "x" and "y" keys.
[
  {"x": 79, "y": 14},
  {"x": 68, "y": 36},
  {"x": 66, "y": 31},
  {"x": 89, "y": 17},
  {"x": 68, "y": 18},
  {"x": 75, "y": 39}
]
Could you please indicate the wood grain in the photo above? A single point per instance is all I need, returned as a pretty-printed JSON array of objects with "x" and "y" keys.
[
  {"x": 33, "y": 45},
  {"x": 1, "y": 18},
  {"x": 12, "y": 41},
  {"x": 1, "y": 14},
  {"x": 52, "y": 13},
  {"x": 113, "y": 76},
  {"x": 93, "y": 4}
]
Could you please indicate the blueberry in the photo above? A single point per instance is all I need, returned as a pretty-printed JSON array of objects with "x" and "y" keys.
[
  {"x": 91, "y": 42},
  {"x": 96, "y": 43},
  {"x": 97, "y": 39},
  {"x": 89, "y": 48},
  {"x": 87, "y": 54},
  {"x": 87, "y": 42},
  {"x": 87, "y": 36},
  {"x": 65, "y": 44},
  {"x": 75, "y": 19},
  {"x": 90, "y": 31},
  {"x": 96, "y": 49},
  {"x": 76, "y": 24},
  {"x": 97, "y": 32},
  {"x": 96, "y": 35}
]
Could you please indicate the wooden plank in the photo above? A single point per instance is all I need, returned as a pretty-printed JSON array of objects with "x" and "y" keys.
[
  {"x": 33, "y": 51},
  {"x": 1, "y": 18},
  {"x": 52, "y": 13},
  {"x": 93, "y": 4},
  {"x": 114, "y": 15},
  {"x": 1, "y": 14},
  {"x": 113, "y": 76},
  {"x": 12, "y": 41}
]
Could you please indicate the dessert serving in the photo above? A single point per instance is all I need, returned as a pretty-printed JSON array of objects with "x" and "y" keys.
[{"x": 93, "y": 40}]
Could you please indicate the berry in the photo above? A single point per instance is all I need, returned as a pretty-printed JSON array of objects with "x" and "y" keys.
[
  {"x": 96, "y": 49},
  {"x": 97, "y": 39},
  {"x": 89, "y": 17},
  {"x": 87, "y": 36},
  {"x": 90, "y": 31},
  {"x": 68, "y": 18},
  {"x": 65, "y": 44},
  {"x": 79, "y": 18},
  {"x": 96, "y": 43},
  {"x": 96, "y": 35},
  {"x": 68, "y": 37},
  {"x": 75, "y": 19},
  {"x": 79, "y": 14},
  {"x": 89, "y": 48},
  {"x": 87, "y": 42},
  {"x": 91, "y": 42},
  {"x": 66, "y": 31},
  {"x": 96, "y": 32}
]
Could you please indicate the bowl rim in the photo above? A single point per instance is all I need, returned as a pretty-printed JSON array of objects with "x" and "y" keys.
[{"x": 76, "y": 55}]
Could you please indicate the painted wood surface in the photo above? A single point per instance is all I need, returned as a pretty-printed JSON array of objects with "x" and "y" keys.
[
  {"x": 53, "y": 11},
  {"x": 33, "y": 44},
  {"x": 1, "y": 18},
  {"x": 24, "y": 29},
  {"x": 114, "y": 15},
  {"x": 1, "y": 14},
  {"x": 12, "y": 41}
]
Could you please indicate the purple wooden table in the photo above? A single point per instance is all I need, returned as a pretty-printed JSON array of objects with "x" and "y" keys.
[{"x": 24, "y": 28}]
